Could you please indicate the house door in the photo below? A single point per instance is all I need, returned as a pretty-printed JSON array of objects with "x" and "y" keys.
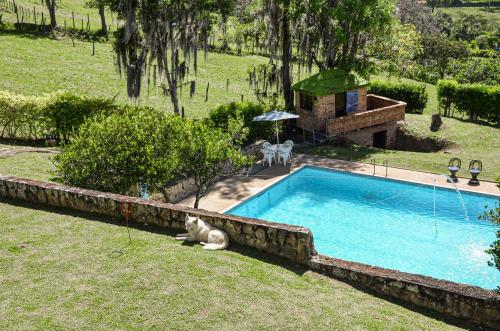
[{"x": 380, "y": 139}]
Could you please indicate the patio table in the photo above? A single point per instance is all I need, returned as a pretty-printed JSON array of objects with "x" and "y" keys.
[{"x": 275, "y": 148}]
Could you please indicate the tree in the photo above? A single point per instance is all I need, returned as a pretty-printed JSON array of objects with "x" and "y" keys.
[
  {"x": 278, "y": 15},
  {"x": 51, "y": 6},
  {"x": 100, "y": 5},
  {"x": 398, "y": 49},
  {"x": 411, "y": 12},
  {"x": 469, "y": 26},
  {"x": 439, "y": 51},
  {"x": 114, "y": 153},
  {"x": 208, "y": 153},
  {"x": 336, "y": 33},
  {"x": 168, "y": 33},
  {"x": 437, "y": 3}
]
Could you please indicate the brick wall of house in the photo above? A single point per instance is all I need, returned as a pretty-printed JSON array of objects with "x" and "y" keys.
[
  {"x": 325, "y": 110},
  {"x": 390, "y": 112},
  {"x": 364, "y": 137}
]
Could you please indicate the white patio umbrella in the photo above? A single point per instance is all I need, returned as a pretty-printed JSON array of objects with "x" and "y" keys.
[{"x": 275, "y": 116}]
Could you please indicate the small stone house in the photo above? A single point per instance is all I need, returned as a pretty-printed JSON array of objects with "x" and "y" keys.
[{"x": 335, "y": 103}]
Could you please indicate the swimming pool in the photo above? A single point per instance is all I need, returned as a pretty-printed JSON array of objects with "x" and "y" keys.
[{"x": 387, "y": 223}]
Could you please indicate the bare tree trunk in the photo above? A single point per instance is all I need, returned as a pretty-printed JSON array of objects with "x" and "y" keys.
[
  {"x": 51, "y": 6},
  {"x": 286, "y": 55},
  {"x": 197, "y": 199},
  {"x": 104, "y": 27}
]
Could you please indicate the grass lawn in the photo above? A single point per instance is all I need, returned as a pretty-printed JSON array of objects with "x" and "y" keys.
[
  {"x": 64, "y": 12},
  {"x": 493, "y": 15},
  {"x": 70, "y": 271},
  {"x": 35, "y": 65},
  {"x": 28, "y": 165},
  {"x": 474, "y": 142}
]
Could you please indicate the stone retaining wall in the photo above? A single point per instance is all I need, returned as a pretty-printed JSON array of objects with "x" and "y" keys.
[
  {"x": 292, "y": 242},
  {"x": 468, "y": 303},
  {"x": 464, "y": 302}
]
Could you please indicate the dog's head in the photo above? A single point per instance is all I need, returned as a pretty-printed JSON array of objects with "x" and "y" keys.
[{"x": 191, "y": 222}]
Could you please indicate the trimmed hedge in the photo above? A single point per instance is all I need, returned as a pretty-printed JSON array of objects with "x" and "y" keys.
[
  {"x": 415, "y": 95},
  {"x": 475, "y": 100},
  {"x": 59, "y": 114},
  {"x": 246, "y": 111}
]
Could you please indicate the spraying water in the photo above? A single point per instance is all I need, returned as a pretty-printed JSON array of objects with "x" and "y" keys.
[{"x": 460, "y": 198}]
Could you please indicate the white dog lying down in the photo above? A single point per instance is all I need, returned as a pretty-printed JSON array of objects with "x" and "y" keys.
[{"x": 210, "y": 237}]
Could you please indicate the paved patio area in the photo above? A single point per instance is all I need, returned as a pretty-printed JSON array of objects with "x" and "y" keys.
[{"x": 229, "y": 192}]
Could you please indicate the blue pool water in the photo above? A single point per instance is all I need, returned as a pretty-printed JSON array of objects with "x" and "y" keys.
[{"x": 386, "y": 223}]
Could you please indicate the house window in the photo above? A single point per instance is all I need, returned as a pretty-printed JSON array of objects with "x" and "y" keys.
[
  {"x": 306, "y": 102},
  {"x": 340, "y": 104},
  {"x": 352, "y": 101}
]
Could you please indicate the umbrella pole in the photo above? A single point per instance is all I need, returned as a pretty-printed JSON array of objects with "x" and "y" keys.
[{"x": 277, "y": 133}]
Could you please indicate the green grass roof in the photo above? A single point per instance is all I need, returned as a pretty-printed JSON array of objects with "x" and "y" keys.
[{"x": 330, "y": 82}]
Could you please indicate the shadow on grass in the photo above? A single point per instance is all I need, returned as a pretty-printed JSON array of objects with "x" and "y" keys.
[
  {"x": 34, "y": 31},
  {"x": 351, "y": 153},
  {"x": 243, "y": 250}
]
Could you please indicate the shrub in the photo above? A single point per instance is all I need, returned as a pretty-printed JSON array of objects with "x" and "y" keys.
[
  {"x": 59, "y": 114},
  {"x": 476, "y": 70},
  {"x": 65, "y": 112},
  {"x": 21, "y": 117},
  {"x": 474, "y": 100},
  {"x": 478, "y": 101},
  {"x": 116, "y": 152},
  {"x": 446, "y": 95},
  {"x": 415, "y": 95},
  {"x": 246, "y": 111}
]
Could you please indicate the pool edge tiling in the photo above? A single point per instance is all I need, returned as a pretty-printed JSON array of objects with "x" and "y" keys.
[{"x": 460, "y": 255}]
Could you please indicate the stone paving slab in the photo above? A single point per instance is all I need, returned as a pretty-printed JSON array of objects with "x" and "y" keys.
[{"x": 231, "y": 191}]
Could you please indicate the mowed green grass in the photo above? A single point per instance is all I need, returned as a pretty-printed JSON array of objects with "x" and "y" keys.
[
  {"x": 473, "y": 142},
  {"x": 31, "y": 65},
  {"x": 28, "y": 165},
  {"x": 65, "y": 11},
  {"x": 68, "y": 271},
  {"x": 493, "y": 15}
]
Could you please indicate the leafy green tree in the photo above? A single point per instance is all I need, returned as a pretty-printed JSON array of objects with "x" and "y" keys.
[
  {"x": 208, "y": 153},
  {"x": 398, "y": 49},
  {"x": 411, "y": 12},
  {"x": 433, "y": 4},
  {"x": 469, "y": 26},
  {"x": 476, "y": 70},
  {"x": 438, "y": 51},
  {"x": 335, "y": 33},
  {"x": 445, "y": 23},
  {"x": 114, "y": 153}
]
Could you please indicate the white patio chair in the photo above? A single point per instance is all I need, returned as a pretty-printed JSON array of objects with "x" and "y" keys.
[
  {"x": 288, "y": 145},
  {"x": 266, "y": 144},
  {"x": 285, "y": 154},
  {"x": 269, "y": 156}
]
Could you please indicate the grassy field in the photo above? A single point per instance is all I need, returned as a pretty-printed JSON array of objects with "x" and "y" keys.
[
  {"x": 493, "y": 15},
  {"x": 35, "y": 65},
  {"x": 64, "y": 12},
  {"x": 69, "y": 271},
  {"x": 473, "y": 142}
]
